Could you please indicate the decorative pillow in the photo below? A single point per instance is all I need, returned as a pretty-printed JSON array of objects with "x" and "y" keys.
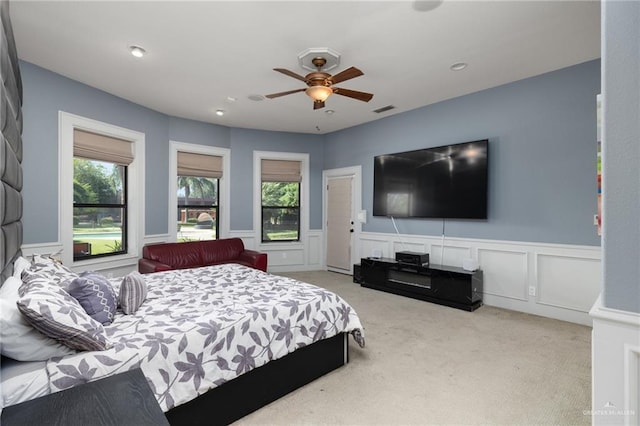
[
  {"x": 133, "y": 291},
  {"x": 96, "y": 296},
  {"x": 19, "y": 266},
  {"x": 52, "y": 311},
  {"x": 50, "y": 268},
  {"x": 20, "y": 340}
]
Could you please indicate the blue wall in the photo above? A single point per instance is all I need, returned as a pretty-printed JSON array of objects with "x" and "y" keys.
[
  {"x": 542, "y": 156},
  {"x": 244, "y": 142},
  {"x": 542, "y": 136},
  {"x": 46, "y": 93}
]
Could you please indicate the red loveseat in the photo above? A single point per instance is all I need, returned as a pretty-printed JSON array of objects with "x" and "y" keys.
[{"x": 194, "y": 254}]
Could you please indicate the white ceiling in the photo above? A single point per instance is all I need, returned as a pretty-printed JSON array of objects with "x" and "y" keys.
[{"x": 200, "y": 53}]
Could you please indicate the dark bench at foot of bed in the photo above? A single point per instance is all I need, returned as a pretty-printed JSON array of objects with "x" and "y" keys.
[{"x": 261, "y": 386}]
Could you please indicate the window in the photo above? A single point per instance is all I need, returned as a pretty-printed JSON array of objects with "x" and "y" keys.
[
  {"x": 101, "y": 218},
  {"x": 280, "y": 200},
  {"x": 198, "y": 204},
  {"x": 99, "y": 194},
  {"x": 197, "y": 195},
  {"x": 99, "y": 208}
]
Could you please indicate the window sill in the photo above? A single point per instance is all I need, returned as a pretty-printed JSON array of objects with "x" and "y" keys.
[
  {"x": 285, "y": 245},
  {"x": 109, "y": 262}
]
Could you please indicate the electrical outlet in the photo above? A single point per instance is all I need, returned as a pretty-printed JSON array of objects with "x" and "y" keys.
[{"x": 532, "y": 291}]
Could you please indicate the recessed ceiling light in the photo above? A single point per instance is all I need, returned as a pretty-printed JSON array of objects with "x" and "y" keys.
[
  {"x": 329, "y": 111},
  {"x": 137, "y": 51},
  {"x": 220, "y": 112},
  {"x": 231, "y": 99},
  {"x": 458, "y": 66}
]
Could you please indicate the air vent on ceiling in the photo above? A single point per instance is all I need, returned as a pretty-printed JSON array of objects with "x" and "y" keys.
[{"x": 383, "y": 109}]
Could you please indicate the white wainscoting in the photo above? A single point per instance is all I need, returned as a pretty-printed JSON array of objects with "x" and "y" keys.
[
  {"x": 305, "y": 255},
  {"x": 615, "y": 369},
  {"x": 552, "y": 280}
]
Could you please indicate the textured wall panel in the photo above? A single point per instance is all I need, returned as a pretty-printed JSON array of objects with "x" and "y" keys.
[{"x": 10, "y": 146}]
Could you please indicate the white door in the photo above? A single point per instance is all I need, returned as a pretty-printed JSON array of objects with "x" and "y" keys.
[{"x": 340, "y": 223}]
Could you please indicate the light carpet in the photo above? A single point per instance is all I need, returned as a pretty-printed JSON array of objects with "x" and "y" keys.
[{"x": 429, "y": 364}]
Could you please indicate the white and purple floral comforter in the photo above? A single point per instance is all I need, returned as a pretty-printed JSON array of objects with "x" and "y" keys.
[{"x": 199, "y": 328}]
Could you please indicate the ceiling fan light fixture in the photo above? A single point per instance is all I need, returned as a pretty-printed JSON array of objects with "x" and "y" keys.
[{"x": 319, "y": 93}]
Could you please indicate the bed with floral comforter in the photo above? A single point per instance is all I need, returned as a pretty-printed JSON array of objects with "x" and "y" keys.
[{"x": 199, "y": 328}]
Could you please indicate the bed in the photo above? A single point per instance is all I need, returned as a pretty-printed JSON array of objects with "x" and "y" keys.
[
  {"x": 214, "y": 343},
  {"x": 253, "y": 337}
]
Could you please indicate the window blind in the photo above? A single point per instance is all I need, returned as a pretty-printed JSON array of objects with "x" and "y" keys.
[
  {"x": 280, "y": 171},
  {"x": 201, "y": 165},
  {"x": 93, "y": 146}
]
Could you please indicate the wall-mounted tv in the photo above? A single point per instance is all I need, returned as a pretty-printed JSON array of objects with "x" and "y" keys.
[{"x": 442, "y": 182}]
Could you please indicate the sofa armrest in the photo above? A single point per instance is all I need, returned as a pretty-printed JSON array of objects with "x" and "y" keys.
[
  {"x": 255, "y": 258},
  {"x": 146, "y": 266}
]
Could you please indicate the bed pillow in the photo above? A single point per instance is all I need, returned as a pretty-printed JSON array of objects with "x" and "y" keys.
[
  {"x": 50, "y": 268},
  {"x": 96, "y": 295},
  {"x": 19, "y": 266},
  {"x": 53, "y": 312},
  {"x": 133, "y": 291},
  {"x": 19, "y": 340}
]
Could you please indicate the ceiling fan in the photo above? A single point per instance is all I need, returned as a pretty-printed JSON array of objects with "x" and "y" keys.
[{"x": 320, "y": 84}]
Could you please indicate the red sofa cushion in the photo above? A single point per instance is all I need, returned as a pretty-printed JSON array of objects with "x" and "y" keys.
[
  {"x": 220, "y": 251},
  {"x": 177, "y": 255}
]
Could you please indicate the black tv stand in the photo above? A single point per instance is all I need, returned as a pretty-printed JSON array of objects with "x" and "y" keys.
[{"x": 445, "y": 285}]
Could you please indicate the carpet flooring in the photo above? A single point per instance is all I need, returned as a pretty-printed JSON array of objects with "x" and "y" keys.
[{"x": 427, "y": 364}]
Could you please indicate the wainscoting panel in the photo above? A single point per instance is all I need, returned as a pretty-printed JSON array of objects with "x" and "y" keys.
[
  {"x": 505, "y": 273},
  {"x": 370, "y": 246},
  {"x": 567, "y": 281},
  {"x": 407, "y": 246},
  {"x": 315, "y": 248},
  {"x": 452, "y": 255},
  {"x": 615, "y": 345}
]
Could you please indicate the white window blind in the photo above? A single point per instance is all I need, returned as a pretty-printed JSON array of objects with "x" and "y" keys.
[
  {"x": 201, "y": 165},
  {"x": 280, "y": 171},
  {"x": 93, "y": 146}
]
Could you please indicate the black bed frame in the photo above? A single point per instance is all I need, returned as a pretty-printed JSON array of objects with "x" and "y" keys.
[{"x": 247, "y": 393}]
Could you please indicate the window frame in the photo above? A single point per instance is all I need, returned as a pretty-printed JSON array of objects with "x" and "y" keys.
[
  {"x": 195, "y": 206},
  {"x": 224, "y": 189},
  {"x": 303, "y": 224},
  {"x": 125, "y": 213},
  {"x": 135, "y": 191},
  {"x": 262, "y": 207}
]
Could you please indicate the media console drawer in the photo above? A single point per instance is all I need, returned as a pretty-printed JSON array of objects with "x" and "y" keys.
[{"x": 445, "y": 285}]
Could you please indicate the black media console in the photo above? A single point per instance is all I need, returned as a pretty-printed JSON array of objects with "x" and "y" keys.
[{"x": 445, "y": 285}]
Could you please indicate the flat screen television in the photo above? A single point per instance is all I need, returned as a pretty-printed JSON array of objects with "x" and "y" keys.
[{"x": 442, "y": 182}]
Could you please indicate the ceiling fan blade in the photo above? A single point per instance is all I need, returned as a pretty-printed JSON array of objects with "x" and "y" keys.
[
  {"x": 318, "y": 105},
  {"x": 347, "y": 74},
  {"x": 277, "y": 95},
  {"x": 290, "y": 74},
  {"x": 361, "y": 96}
]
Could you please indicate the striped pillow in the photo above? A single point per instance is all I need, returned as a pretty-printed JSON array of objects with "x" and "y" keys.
[
  {"x": 54, "y": 313},
  {"x": 133, "y": 291}
]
